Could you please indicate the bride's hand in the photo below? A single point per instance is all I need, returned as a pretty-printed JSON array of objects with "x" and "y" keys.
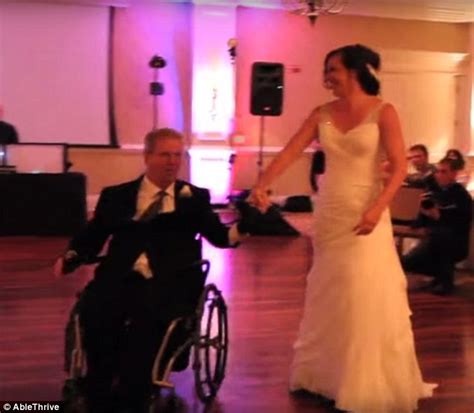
[
  {"x": 368, "y": 221},
  {"x": 259, "y": 198}
]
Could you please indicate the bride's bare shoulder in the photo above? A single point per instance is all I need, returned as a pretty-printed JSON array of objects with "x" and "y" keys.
[{"x": 318, "y": 111}]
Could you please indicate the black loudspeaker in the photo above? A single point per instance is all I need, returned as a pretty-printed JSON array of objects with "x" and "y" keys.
[{"x": 267, "y": 89}]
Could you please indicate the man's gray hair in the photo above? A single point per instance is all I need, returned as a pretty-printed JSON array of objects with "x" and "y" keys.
[{"x": 158, "y": 134}]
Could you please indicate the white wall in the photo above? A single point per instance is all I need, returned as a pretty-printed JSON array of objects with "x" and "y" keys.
[
  {"x": 429, "y": 91},
  {"x": 53, "y": 71}
]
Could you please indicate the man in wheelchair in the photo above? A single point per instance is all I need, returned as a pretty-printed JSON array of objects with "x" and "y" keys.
[{"x": 154, "y": 226}]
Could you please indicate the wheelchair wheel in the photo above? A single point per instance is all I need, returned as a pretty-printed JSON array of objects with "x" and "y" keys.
[
  {"x": 210, "y": 343},
  {"x": 73, "y": 392}
]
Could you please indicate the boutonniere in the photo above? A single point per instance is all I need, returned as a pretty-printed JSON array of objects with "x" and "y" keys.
[{"x": 185, "y": 192}]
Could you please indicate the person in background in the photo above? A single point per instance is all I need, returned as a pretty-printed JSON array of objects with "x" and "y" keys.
[
  {"x": 422, "y": 174},
  {"x": 447, "y": 214},
  {"x": 463, "y": 175},
  {"x": 8, "y": 133}
]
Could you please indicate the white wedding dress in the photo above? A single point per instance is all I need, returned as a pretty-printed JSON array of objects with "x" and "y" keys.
[{"x": 355, "y": 343}]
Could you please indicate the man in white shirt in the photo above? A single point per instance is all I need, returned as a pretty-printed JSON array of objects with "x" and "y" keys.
[{"x": 154, "y": 225}]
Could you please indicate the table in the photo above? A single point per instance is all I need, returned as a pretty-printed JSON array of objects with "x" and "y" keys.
[{"x": 42, "y": 204}]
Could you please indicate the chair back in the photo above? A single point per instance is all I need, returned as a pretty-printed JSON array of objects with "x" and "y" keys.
[{"x": 405, "y": 205}]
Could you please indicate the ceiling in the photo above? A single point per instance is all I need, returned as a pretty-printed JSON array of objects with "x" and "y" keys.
[{"x": 452, "y": 11}]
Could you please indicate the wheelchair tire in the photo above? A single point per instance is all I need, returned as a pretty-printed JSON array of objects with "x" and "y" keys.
[
  {"x": 73, "y": 396},
  {"x": 211, "y": 343}
]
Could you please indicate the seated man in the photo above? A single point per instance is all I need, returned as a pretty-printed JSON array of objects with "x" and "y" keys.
[
  {"x": 446, "y": 213},
  {"x": 463, "y": 174},
  {"x": 154, "y": 224},
  {"x": 422, "y": 175}
]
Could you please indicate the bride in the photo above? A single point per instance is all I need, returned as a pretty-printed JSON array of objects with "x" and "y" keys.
[{"x": 355, "y": 343}]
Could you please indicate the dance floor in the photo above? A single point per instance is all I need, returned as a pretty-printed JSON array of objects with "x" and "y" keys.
[{"x": 263, "y": 282}]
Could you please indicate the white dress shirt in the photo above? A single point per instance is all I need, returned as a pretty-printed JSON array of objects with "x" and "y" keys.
[{"x": 146, "y": 195}]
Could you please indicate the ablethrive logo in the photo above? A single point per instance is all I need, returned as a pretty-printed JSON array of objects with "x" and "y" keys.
[{"x": 30, "y": 407}]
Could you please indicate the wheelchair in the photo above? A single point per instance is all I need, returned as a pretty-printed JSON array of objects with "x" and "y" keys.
[{"x": 206, "y": 338}]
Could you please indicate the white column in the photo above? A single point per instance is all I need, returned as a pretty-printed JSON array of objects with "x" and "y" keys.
[
  {"x": 213, "y": 95},
  {"x": 213, "y": 98}
]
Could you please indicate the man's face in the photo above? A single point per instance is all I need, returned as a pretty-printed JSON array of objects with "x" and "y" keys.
[
  {"x": 163, "y": 163},
  {"x": 444, "y": 175},
  {"x": 418, "y": 159}
]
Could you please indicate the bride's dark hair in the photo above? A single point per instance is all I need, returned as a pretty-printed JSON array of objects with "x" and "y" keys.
[{"x": 364, "y": 61}]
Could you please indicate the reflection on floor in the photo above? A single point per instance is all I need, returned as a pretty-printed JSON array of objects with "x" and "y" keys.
[{"x": 263, "y": 282}]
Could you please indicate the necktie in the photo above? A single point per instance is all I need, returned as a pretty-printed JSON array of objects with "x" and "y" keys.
[{"x": 154, "y": 208}]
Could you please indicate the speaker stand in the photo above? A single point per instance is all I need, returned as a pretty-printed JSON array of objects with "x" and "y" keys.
[
  {"x": 260, "y": 147},
  {"x": 4, "y": 167},
  {"x": 3, "y": 151}
]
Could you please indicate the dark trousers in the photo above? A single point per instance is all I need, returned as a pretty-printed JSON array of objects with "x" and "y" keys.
[
  {"x": 121, "y": 338},
  {"x": 122, "y": 335},
  {"x": 434, "y": 256}
]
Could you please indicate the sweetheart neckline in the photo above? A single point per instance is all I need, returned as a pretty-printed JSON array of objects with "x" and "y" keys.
[
  {"x": 351, "y": 129},
  {"x": 362, "y": 122}
]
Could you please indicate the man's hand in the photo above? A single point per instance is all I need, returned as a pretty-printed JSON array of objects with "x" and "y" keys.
[
  {"x": 66, "y": 264},
  {"x": 259, "y": 198}
]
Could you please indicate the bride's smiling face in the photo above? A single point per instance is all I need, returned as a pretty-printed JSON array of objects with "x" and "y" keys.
[{"x": 337, "y": 77}]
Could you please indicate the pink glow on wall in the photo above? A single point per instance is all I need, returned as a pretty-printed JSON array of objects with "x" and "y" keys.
[
  {"x": 53, "y": 71},
  {"x": 141, "y": 31},
  {"x": 210, "y": 168},
  {"x": 213, "y": 73},
  {"x": 213, "y": 101},
  {"x": 280, "y": 37}
]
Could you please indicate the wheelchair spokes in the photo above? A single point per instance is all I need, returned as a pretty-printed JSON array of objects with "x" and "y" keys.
[
  {"x": 211, "y": 343},
  {"x": 205, "y": 331}
]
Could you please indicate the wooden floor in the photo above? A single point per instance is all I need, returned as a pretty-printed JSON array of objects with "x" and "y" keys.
[{"x": 263, "y": 282}]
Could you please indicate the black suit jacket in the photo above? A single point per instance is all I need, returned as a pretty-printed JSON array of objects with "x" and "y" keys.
[
  {"x": 172, "y": 242},
  {"x": 454, "y": 224}
]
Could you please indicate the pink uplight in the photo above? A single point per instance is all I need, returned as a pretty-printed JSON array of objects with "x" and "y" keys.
[
  {"x": 213, "y": 97},
  {"x": 210, "y": 168}
]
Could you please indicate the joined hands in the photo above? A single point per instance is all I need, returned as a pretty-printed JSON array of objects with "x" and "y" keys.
[{"x": 259, "y": 198}]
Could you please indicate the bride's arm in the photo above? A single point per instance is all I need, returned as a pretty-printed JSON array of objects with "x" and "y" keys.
[
  {"x": 392, "y": 141},
  {"x": 295, "y": 146}
]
